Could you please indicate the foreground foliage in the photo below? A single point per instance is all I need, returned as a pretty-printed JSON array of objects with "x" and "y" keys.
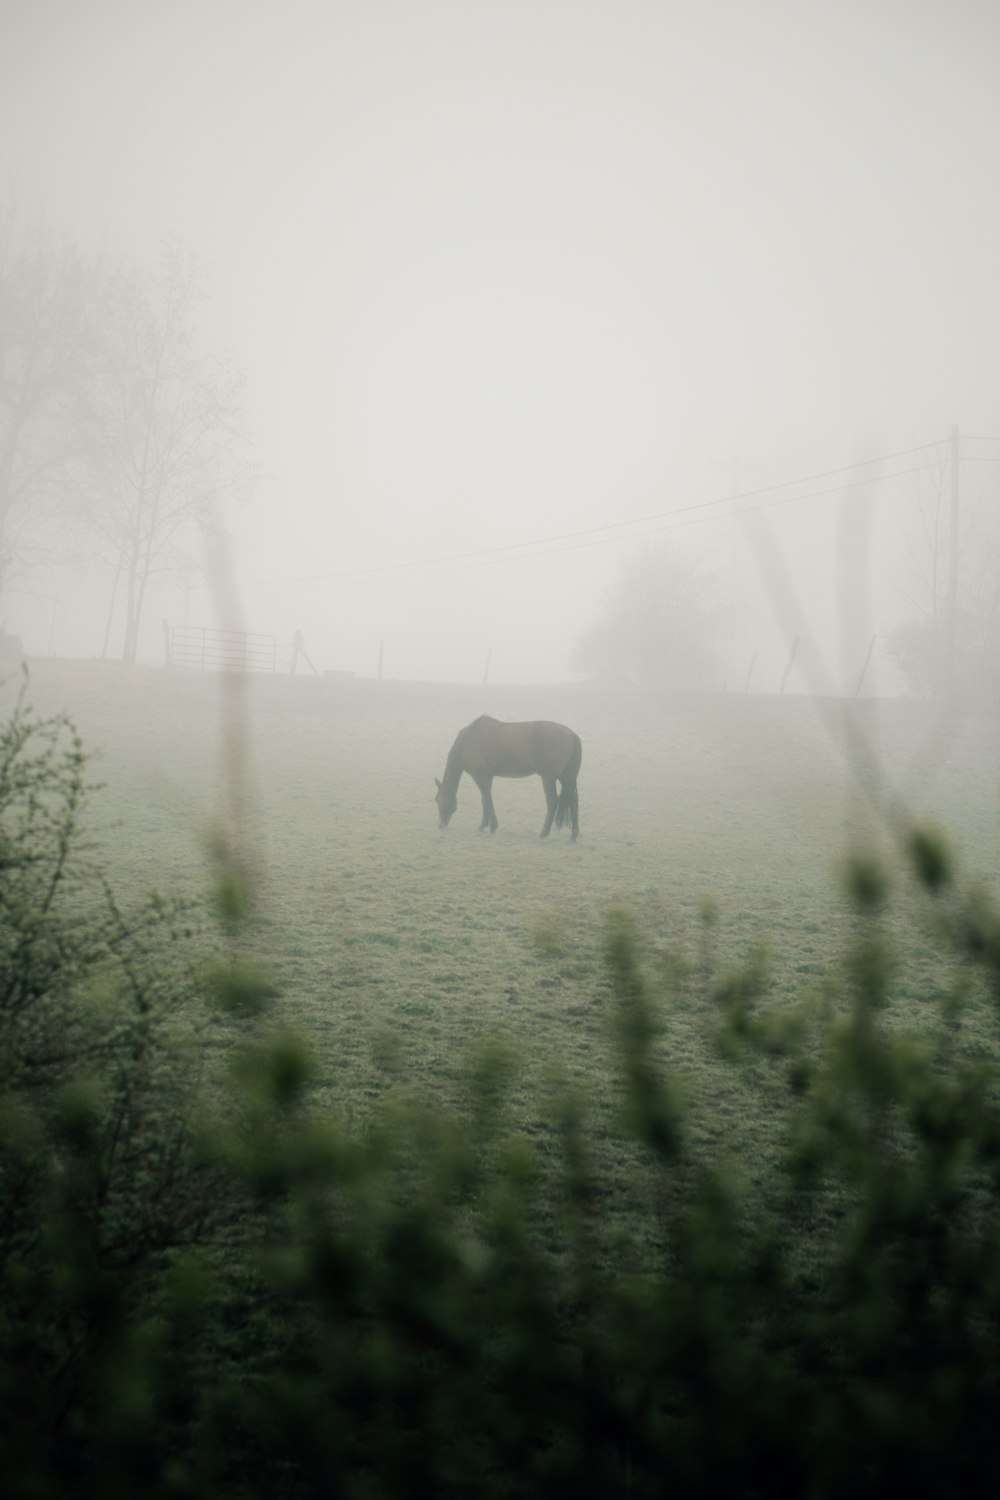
[{"x": 210, "y": 1287}]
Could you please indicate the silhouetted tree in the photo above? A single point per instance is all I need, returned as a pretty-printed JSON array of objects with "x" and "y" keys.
[
  {"x": 165, "y": 424},
  {"x": 52, "y": 306},
  {"x": 662, "y": 624},
  {"x": 114, "y": 427}
]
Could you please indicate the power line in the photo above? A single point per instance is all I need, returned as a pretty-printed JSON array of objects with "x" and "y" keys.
[
  {"x": 462, "y": 562},
  {"x": 486, "y": 557},
  {"x": 432, "y": 569},
  {"x": 420, "y": 567},
  {"x": 609, "y": 525}
]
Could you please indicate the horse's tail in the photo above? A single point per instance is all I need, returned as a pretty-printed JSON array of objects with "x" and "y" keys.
[{"x": 569, "y": 798}]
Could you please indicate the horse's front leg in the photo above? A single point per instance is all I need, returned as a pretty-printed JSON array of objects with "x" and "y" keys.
[
  {"x": 551, "y": 802},
  {"x": 485, "y": 785}
]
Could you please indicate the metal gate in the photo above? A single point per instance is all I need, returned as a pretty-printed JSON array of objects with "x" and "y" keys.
[{"x": 222, "y": 650}]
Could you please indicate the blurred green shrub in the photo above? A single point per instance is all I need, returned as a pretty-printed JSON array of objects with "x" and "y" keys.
[{"x": 101, "y": 1175}]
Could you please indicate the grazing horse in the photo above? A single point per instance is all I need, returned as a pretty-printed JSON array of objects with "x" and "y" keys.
[{"x": 487, "y": 748}]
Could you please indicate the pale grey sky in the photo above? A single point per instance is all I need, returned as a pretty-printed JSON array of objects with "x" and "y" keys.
[{"x": 504, "y": 271}]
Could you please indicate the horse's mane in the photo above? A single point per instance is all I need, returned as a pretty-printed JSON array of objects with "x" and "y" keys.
[
  {"x": 463, "y": 734},
  {"x": 453, "y": 765},
  {"x": 452, "y": 769}
]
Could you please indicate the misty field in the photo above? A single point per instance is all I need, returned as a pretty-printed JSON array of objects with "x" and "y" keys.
[
  {"x": 668, "y": 1158},
  {"x": 720, "y": 823}
]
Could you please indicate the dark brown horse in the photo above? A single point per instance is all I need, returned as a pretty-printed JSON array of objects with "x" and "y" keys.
[{"x": 487, "y": 748}]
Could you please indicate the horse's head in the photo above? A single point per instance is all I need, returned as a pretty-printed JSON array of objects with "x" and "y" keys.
[{"x": 446, "y": 804}]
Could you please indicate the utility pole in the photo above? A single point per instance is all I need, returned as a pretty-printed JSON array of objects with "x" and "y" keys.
[{"x": 950, "y": 682}]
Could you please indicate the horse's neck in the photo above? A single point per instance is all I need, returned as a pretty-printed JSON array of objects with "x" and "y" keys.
[{"x": 453, "y": 770}]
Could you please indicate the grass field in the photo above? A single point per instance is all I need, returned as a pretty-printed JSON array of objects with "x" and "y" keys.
[{"x": 719, "y": 822}]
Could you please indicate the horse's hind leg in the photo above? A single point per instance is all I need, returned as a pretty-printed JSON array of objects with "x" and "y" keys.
[
  {"x": 551, "y": 802},
  {"x": 568, "y": 806}
]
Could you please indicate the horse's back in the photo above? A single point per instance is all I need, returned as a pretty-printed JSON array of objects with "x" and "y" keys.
[
  {"x": 525, "y": 748},
  {"x": 554, "y": 743}
]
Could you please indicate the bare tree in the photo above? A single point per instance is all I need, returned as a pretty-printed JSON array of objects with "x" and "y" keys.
[
  {"x": 165, "y": 425},
  {"x": 52, "y": 306},
  {"x": 662, "y": 624}
]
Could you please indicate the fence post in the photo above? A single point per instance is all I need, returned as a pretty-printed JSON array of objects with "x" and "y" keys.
[
  {"x": 864, "y": 669},
  {"x": 950, "y": 685},
  {"x": 791, "y": 659}
]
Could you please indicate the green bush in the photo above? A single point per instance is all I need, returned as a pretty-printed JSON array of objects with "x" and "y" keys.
[
  {"x": 214, "y": 1288},
  {"x": 101, "y": 1178}
]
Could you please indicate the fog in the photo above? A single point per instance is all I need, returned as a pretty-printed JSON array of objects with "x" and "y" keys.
[{"x": 517, "y": 285}]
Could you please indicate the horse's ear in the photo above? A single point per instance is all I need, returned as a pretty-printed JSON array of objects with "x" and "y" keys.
[{"x": 437, "y": 783}]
